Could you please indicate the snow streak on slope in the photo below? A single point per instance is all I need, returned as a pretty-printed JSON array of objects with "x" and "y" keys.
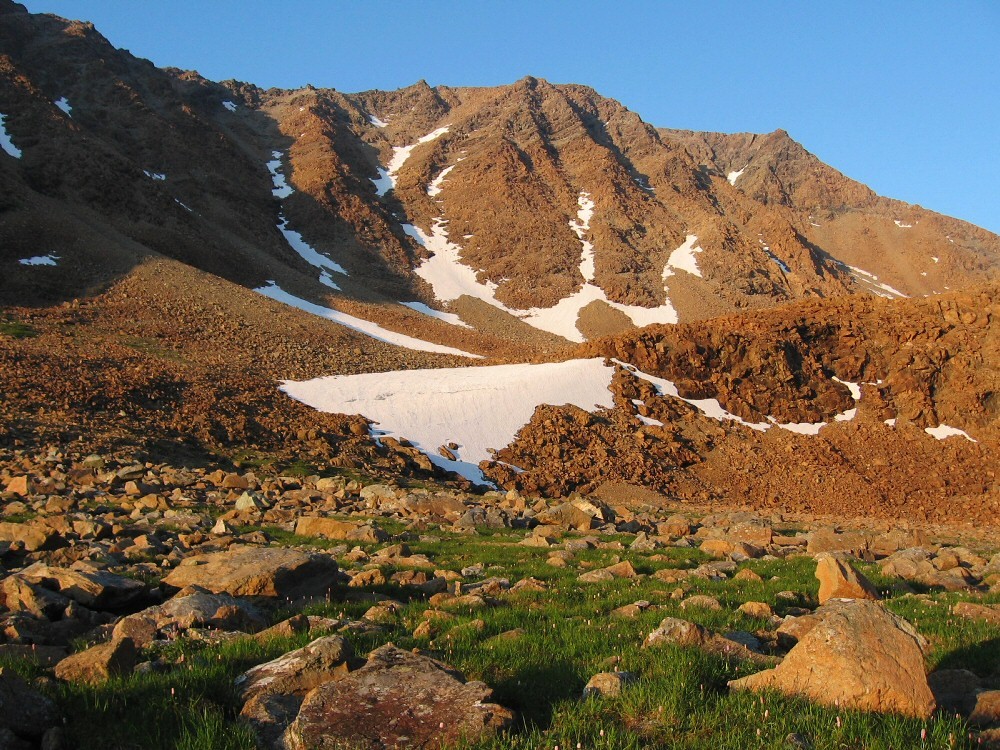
[
  {"x": 871, "y": 281},
  {"x": 63, "y": 104},
  {"x": 377, "y": 122},
  {"x": 734, "y": 176},
  {"x": 360, "y": 325},
  {"x": 451, "y": 279},
  {"x": 386, "y": 180},
  {"x": 478, "y": 408},
  {"x": 231, "y": 106},
  {"x": 294, "y": 239},
  {"x": 435, "y": 187},
  {"x": 450, "y": 318},
  {"x": 5, "y": 142},
  {"x": 943, "y": 431}
]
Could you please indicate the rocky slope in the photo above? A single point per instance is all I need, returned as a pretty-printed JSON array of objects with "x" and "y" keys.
[{"x": 496, "y": 202}]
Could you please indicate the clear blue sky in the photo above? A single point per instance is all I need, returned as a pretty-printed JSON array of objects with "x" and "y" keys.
[{"x": 903, "y": 96}]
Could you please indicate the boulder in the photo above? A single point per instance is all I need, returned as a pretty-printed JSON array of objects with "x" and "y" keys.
[
  {"x": 679, "y": 632},
  {"x": 858, "y": 656},
  {"x": 299, "y": 671},
  {"x": 839, "y": 580},
  {"x": 257, "y": 571},
  {"x": 607, "y": 684},
  {"x": 24, "y": 711},
  {"x": 93, "y": 588},
  {"x": 831, "y": 540},
  {"x": 32, "y": 536},
  {"x": 195, "y": 610},
  {"x": 331, "y": 528},
  {"x": 567, "y": 515},
  {"x": 18, "y": 595},
  {"x": 99, "y": 663},
  {"x": 397, "y": 699},
  {"x": 987, "y": 612}
]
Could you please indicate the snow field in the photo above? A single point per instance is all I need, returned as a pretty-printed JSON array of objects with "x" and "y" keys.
[{"x": 477, "y": 407}]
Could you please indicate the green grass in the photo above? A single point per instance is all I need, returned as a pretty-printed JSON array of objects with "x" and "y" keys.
[
  {"x": 17, "y": 330},
  {"x": 680, "y": 698}
]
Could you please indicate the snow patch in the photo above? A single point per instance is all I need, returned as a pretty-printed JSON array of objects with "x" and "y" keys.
[
  {"x": 327, "y": 280},
  {"x": 308, "y": 253},
  {"x": 231, "y": 106},
  {"x": 683, "y": 258},
  {"x": 5, "y": 142},
  {"x": 374, "y": 330},
  {"x": 450, "y": 318},
  {"x": 186, "y": 208},
  {"x": 734, "y": 176},
  {"x": 935, "y": 259},
  {"x": 281, "y": 188},
  {"x": 479, "y": 408},
  {"x": 451, "y": 279},
  {"x": 871, "y": 281},
  {"x": 63, "y": 103},
  {"x": 943, "y": 431},
  {"x": 158, "y": 176},
  {"x": 781, "y": 264},
  {"x": 377, "y": 122},
  {"x": 40, "y": 260},
  {"x": 435, "y": 187},
  {"x": 901, "y": 225},
  {"x": 386, "y": 180},
  {"x": 294, "y": 239}
]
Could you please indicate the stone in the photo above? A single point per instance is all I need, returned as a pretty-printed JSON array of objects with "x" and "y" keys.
[
  {"x": 95, "y": 589},
  {"x": 195, "y": 610},
  {"x": 33, "y": 537},
  {"x": 256, "y": 571},
  {"x": 19, "y": 595},
  {"x": 830, "y": 540},
  {"x": 987, "y": 612},
  {"x": 839, "y": 580},
  {"x": 24, "y": 711},
  {"x": 856, "y": 656},
  {"x": 297, "y": 672},
  {"x": 756, "y": 609},
  {"x": 99, "y": 663},
  {"x": 567, "y": 515},
  {"x": 397, "y": 699},
  {"x": 607, "y": 684},
  {"x": 724, "y": 548},
  {"x": 679, "y": 632},
  {"x": 986, "y": 711},
  {"x": 702, "y": 601},
  {"x": 21, "y": 485},
  {"x": 954, "y": 689},
  {"x": 250, "y": 501},
  {"x": 331, "y": 528}
]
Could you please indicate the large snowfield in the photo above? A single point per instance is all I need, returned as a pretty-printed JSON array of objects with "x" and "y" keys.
[{"x": 482, "y": 408}]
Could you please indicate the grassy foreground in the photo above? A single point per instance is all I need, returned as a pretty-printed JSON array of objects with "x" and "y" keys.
[{"x": 538, "y": 649}]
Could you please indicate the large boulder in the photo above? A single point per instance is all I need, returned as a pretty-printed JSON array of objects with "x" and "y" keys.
[
  {"x": 297, "y": 672},
  {"x": 99, "y": 663},
  {"x": 331, "y": 528},
  {"x": 839, "y": 580},
  {"x": 567, "y": 515},
  {"x": 857, "y": 655},
  {"x": 273, "y": 692},
  {"x": 195, "y": 610},
  {"x": 23, "y": 710},
  {"x": 397, "y": 699},
  {"x": 93, "y": 588},
  {"x": 257, "y": 571}
]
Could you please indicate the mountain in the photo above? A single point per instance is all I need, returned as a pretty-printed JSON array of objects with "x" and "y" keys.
[{"x": 178, "y": 245}]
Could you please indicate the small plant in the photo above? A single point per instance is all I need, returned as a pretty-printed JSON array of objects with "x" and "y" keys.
[{"x": 17, "y": 330}]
